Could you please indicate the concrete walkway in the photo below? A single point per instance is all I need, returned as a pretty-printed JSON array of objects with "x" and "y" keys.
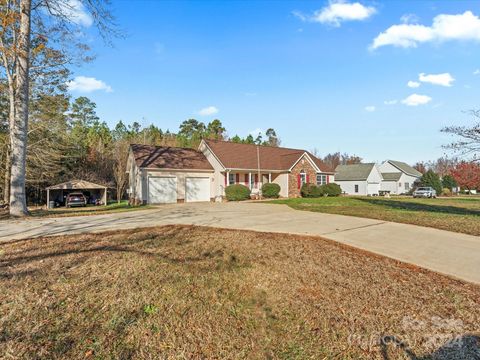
[{"x": 446, "y": 252}]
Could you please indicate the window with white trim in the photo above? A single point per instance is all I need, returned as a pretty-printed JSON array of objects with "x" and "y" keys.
[
  {"x": 321, "y": 179},
  {"x": 303, "y": 177},
  {"x": 356, "y": 188},
  {"x": 231, "y": 178},
  {"x": 407, "y": 186}
]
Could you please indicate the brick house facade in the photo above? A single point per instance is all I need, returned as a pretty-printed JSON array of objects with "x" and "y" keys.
[{"x": 303, "y": 166}]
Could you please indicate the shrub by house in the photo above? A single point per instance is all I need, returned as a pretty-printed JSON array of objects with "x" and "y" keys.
[
  {"x": 270, "y": 190},
  {"x": 237, "y": 192}
]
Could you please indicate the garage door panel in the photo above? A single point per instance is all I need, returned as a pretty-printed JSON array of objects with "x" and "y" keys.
[
  {"x": 162, "y": 190},
  {"x": 197, "y": 189}
]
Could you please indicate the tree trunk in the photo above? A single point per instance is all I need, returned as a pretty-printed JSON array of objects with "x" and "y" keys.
[
  {"x": 18, "y": 134},
  {"x": 8, "y": 159},
  {"x": 6, "y": 182}
]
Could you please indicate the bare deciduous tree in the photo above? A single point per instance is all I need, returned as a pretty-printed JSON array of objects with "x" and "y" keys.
[
  {"x": 120, "y": 157},
  {"x": 55, "y": 21},
  {"x": 469, "y": 137}
]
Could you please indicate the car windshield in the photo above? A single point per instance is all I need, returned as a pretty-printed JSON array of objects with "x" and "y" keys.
[{"x": 423, "y": 189}]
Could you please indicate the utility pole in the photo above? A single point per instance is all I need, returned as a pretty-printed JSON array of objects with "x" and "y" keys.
[{"x": 259, "y": 173}]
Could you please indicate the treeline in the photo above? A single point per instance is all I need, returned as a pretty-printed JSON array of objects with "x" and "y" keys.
[{"x": 67, "y": 140}]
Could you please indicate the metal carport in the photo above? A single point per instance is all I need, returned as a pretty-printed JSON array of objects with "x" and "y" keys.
[{"x": 60, "y": 190}]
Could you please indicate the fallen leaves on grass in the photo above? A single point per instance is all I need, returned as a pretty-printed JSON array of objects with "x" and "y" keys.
[{"x": 192, "y": 292}]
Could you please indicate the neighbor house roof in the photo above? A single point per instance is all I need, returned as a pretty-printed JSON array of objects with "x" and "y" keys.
[
  {"x": 392, "y": 176},
  {"x": 167, "y": 157},
  {"x": 404, "y": 167},
  {"x": 76, "y": 184},
  {"x": 353, "y": 172},
  {"x": 244, "y": 156}
]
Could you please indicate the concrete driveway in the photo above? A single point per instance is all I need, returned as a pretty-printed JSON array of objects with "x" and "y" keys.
[{"x": 450, "y": 253}]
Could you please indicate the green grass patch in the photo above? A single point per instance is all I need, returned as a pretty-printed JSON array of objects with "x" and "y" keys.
[{"x": 457, "y": 214}]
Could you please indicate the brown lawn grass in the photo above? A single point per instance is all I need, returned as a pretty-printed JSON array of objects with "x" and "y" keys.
[{"x": 195, "y": 292}]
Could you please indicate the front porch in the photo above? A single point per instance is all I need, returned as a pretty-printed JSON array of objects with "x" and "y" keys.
[{"x": 254, "y": 180}]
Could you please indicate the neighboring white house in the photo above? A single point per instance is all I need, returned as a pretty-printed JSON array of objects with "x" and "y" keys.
[
  {"x": 359, "y": 179},
  {"x": 398, "y": 177}
]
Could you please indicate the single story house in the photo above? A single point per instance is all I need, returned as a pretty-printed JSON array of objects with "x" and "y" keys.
[
  {"x": 359, "y": 179},
  {"x": 398, "y": 177},
  {"x": 169, "y": 174}
]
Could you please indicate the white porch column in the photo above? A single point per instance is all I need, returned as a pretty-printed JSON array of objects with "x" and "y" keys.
[
  {"x": 269, "y": 177},
  {"x": 250, "y": 181},
  {"x": 48, "y": 198},
  {"x": 228, "y": 177}
]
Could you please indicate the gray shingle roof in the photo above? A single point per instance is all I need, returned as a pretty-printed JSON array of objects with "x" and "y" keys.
[
  {"x": 404, "y": 167},
  {"x": 391, "y": 176},
  {"x": 353, "y": 172}
]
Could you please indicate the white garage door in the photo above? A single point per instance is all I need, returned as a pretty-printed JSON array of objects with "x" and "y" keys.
[
  {"x": 197, "y": 189},
  {"x": 162, "y": 190}
]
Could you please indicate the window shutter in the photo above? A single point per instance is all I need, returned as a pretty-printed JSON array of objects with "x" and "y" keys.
[
  {"x": 328, "y": 179},
  {"x": 237, "y": 178},
  {"x": 299, "y": 181},
  {"x": 256, "y": 178},
  {"x": 246, "y": 179}
]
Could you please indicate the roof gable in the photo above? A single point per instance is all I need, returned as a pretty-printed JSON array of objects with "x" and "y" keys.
[
  {"x": 167, "y": 157},
  {"x": 405, "y": 168},
  {"x": 250, "y": 156},
  {"x": 354, "y": 172}
]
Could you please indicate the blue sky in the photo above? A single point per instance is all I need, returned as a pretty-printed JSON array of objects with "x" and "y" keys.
[{"x": 312, "y": 70}]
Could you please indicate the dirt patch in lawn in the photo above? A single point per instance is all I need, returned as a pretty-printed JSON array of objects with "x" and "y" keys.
[{"x": 195, "y": 292}]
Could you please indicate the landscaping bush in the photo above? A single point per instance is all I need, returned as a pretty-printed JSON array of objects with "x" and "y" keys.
[
  {"x": 237, "y": 192},
  {"x": 271, "y": 190},
  {"x": 310, "y": 191},
  {"x": 446, "y": 192},
  {"x": 331, "y": 189}
]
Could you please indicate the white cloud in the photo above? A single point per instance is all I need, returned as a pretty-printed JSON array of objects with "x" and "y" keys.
[
  {"x": 209, "y": 110},
  {"x": 390, "y": 102},
  {"x": 337, "y": 12},
  {"x": 413, "y": 84},
  {"x": 445, "y": 27},
  {"x": 409, "y": 19},
  {"x": 87, "y": 84},
  {"x": 74, "y": 10},
  {"x": 444, "y": 79},
  {"x": 476, "y": 72},
  {"x": 370, "y": 108},
  {"x": 415, "y": 100}
]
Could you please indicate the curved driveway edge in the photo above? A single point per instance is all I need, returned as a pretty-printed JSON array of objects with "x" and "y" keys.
[{"x": 453, "y": 254}]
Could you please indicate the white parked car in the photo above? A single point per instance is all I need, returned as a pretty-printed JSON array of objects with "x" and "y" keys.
[{"x": 425, "y": 192}]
